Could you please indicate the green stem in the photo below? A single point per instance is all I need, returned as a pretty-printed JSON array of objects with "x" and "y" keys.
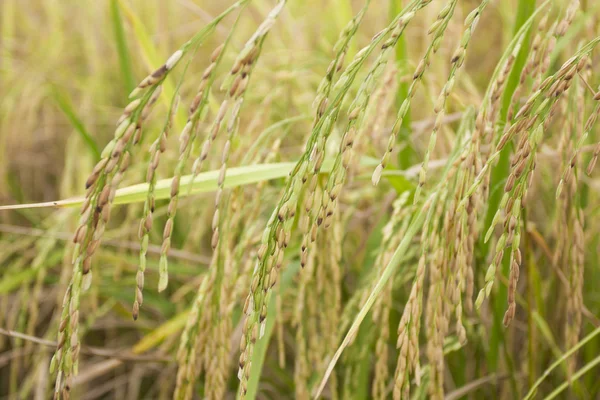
[
  {"x": 531, "y": 306},
  {"x": 558, "y": 362},
  {"x": 122, "y": 50},
  {"x": 260, "y": 349}
]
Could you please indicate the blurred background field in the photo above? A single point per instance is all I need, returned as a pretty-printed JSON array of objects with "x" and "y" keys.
[{"x": 66, "y": 70}]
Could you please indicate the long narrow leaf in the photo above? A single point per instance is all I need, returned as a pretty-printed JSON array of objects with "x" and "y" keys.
[
  {"x": 122, "y": 50},
  {"x": 204, "y": 182},
  {"x": 65, "y": 105}
]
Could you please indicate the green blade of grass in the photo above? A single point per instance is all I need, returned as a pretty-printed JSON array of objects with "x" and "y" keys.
[
  {"x": 204, "y": 182},
  {"x": 585, "y": 369},
  {"x": 268, "y": 132},
  {"x": 558, "y": 362},
  {"x": 65, "y": 105},
  {"x": 11, "y": 281},
  {"x": 262, "y": 344},
  {"x": 152, "y": 339},
  {"x": 122, "y": 50},
  {"x": 152, "y": 59}
]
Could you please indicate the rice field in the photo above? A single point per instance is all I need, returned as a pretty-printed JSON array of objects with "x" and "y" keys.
[{"x": 276, "y": 199}]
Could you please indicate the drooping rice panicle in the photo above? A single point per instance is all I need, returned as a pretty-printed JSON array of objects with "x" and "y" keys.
[
  {"x": 589, "y": 125},
  {"x": 569, "y": 254},
  {"x": 277, "y": 234},
  {"x": 392, "y": 232},
  {"x": 437, "y": 312},
  {"x": 217, "y": 367},
  {"x": 308, "y": 219},
  {"x": 358, "y": 107},
  {"x": 244, "y": 64},
  {"x": 216, "y": 297},
  {"x": 101, "y": 188},
  {"x": 301, "y": 365},
  {"x": 529, "y": 127},
  {"x": 437, "y": 29},
  {"x": 457, "y": 61},
  {"x": 156, "y": 150},
  {"x": 187, "y": 138},
  {"x": 541, "y": 44}
]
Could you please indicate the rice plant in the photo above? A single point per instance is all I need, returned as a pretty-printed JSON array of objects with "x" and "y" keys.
[{"x": 281, "y": 199}]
